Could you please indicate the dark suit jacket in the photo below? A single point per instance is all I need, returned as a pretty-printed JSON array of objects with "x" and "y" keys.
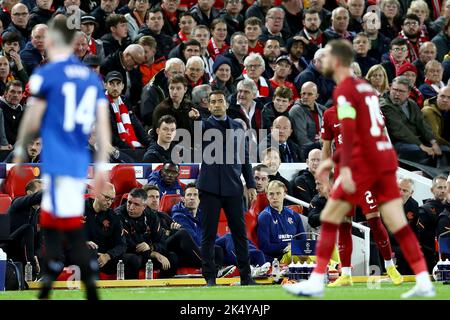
[{"x": 224, "y": 179}]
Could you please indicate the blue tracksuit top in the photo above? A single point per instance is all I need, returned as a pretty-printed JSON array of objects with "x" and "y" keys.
[
  {"x": 275, "y": 230},
  {"x": 156, "y": 179},
  {"x": 183, "y": 216}
]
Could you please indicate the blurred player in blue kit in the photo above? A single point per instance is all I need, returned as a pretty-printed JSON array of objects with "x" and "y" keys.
[{"x": 67, "y": 100}]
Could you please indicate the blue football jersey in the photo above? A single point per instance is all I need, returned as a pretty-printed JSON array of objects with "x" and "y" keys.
[{"x": 73, "y": 93}]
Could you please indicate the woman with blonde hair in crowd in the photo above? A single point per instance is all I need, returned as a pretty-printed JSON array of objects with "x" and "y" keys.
[{"x": 378, "y": 78}]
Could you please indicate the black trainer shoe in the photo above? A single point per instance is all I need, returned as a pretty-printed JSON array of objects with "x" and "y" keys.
[{"x": 225, "y": 271}]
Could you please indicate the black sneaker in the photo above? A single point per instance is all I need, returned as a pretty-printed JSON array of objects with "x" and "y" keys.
[
  {"x": 225, "y": 271},
  {"x": 249, "y": 282}
]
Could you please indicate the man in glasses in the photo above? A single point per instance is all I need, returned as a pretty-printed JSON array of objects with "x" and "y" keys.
[
  {"x": 411, "y": 32},
  {"x": 104, "y": 234},
  {"x": 397, "y": 57},
  {"x": 412, "y": 137},
  {"x": 19, "y": 21},
  {"x": 167, "y": 179}
]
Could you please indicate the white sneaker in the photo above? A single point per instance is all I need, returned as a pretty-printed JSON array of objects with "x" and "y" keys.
[
  {"x": 305, "y": 288},
  {"x": 260, "y": 271},
  {"x": 417, "y": 291}
]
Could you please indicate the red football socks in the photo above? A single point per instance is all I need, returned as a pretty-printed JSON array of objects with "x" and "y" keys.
[
  {"x": 325, "y": 246},
  {"x": 345, "y": 244},
  {"x": 411, "y": 249},
  {"x": 381, "y": 237}
]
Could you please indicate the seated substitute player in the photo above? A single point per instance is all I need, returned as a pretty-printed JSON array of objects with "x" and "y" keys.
[
  {"x": 364, "y": 147},
  {"x": 67, "y": 100},
  {"x": 331, "y": 134},
  {"x": 277, "y": 225}
]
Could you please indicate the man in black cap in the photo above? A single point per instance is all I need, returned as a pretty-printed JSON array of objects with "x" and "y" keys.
[
  {"x": 283, "y": 68},
  {"x": 127, "y": 130},
  {"x": 88, "y": 25},
  {"x": 92, "y": 61}
]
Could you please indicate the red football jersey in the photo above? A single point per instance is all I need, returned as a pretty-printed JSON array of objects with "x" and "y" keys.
[
  {"x": 331, "y": 127},
  {"x": 372, "y": 151}
]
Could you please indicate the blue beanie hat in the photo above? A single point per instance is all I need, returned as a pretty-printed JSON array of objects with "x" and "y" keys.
[{"x": 220, "y": 60}]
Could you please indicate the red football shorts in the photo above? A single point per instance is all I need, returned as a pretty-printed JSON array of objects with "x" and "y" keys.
[{"x": 383, "y": 188}]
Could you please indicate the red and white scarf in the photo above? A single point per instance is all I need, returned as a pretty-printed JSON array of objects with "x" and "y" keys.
[
  {"x": 263, "y": 87},
  {"x": 395, "y": 63},
  {"x": 214, "y": 50},
  {"x": 182, "y": 36},
  {"x": 124, "y": 127},
  {"x": 436, "y": 6},
  {"x": 436, "y": 87}
]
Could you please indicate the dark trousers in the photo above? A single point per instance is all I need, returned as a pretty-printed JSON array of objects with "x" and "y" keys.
[
  {"x": 182, "y": 244},
  {"x": 78, "y": 253},
  {"x": 21, "y": 245},
  {"x": 211, "y": 205},
  {"x": 171, "y": 256},
  {"x": 412, "y": 152},
  {"x": 132, "y": 263}
]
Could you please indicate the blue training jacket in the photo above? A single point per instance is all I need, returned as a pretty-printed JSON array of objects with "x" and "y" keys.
[
  {"x": 275, "y": 230},
  {"x": 183, "y": 216}
]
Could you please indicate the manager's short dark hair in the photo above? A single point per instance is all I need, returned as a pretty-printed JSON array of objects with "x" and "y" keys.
[{"x": 138, "y": 193}]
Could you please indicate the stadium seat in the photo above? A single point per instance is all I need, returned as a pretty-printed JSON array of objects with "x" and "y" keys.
[
  {"x": 5, "y": 203},
  {"x": 16, "y": 181},
  {"x": 168, "y": 201},
  {"x": 124, "y": 199},
  {"x": 259, "y": 204},
  {"x": 123, "y": 178},
  {"x": 181, "y": 271},
  {"x": 251, "y": 223},
  {"x": 296, "y": 208}
]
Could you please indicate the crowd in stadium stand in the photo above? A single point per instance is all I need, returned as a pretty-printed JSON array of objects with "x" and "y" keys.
[{"x": 159, "y": 61}]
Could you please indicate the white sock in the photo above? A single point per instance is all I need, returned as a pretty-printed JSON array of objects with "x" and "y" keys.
[
  {"x": 317, "y": 278},
  {"x": 346, "y": 271},
  {"x": 423, "y": 279},
  {"x": 388, "y": 263}
]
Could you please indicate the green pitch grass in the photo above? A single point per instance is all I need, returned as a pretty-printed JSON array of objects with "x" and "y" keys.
[{"x": 359, "y": 291}]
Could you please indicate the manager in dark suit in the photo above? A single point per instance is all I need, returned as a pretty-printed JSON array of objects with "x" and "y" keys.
[{"x": 220, "y": 186}]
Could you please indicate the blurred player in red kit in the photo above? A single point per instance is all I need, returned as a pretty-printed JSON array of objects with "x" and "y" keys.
[
  {"x": 367, "y": 161},
  {"x": 331, "y": 133}
]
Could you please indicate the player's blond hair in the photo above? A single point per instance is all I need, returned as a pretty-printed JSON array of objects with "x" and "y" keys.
[{"x": 276, "y": 184}]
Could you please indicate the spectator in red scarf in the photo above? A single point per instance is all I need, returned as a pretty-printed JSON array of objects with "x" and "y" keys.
[
  {"x": 195, "y": 72},
  {"x": 127, "y": 130},
  {"x": 413, "y": 34},
  {"x": 186, "y": 24},
  {"x": 410, "y": 71},
  {"x": 254, "y": 68},
  {"x": 171, "y": 13},
  {"x": 217, "y": 44},
  {"x": 433, "y": 79},
  {"x": 88, "y": 25},
  {"x": 397, "y": 56}
]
